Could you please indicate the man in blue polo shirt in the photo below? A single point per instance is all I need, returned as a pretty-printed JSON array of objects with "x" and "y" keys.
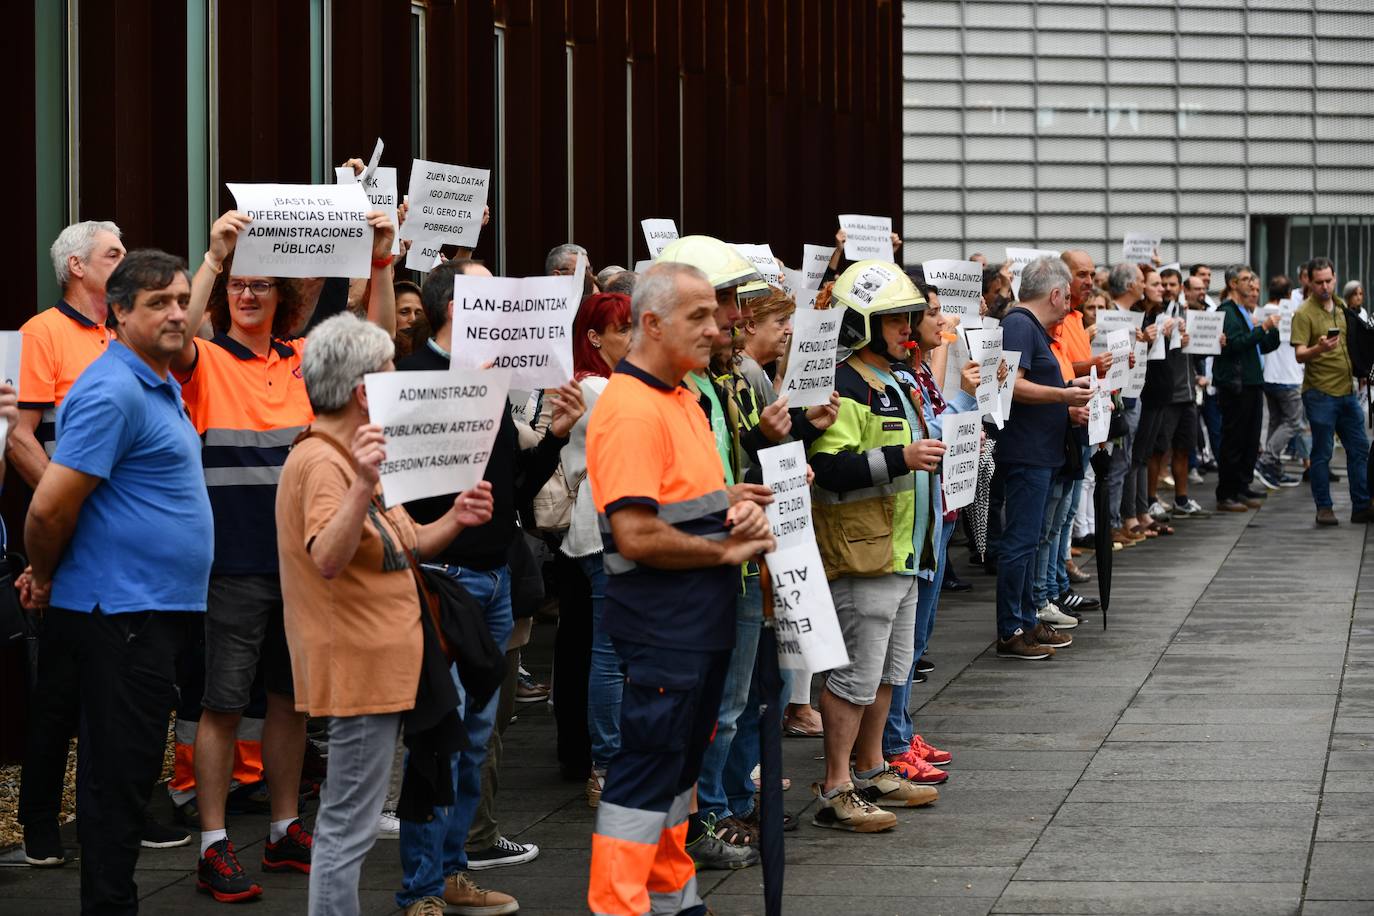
[{"x": 125, "y": 481}]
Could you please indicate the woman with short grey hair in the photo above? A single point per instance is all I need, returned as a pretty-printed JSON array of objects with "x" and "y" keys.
[{"x": 351, "y": 610}]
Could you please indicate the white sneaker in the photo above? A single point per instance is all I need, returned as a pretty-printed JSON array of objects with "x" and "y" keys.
[
  {"x": 1195, "y": 476},
  {"x": 1166, "y": 480},
  {"x": 388, "y": 826},
  {"x": 1056, "y": 618},
  {"x": 1158, "y": 511},
  {"x": 1191, "y": 508}
]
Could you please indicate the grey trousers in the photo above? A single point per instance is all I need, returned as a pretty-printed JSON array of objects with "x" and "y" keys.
[
  {"x": 1285, "y": 417},
  {"x": 360, "y": 751}
]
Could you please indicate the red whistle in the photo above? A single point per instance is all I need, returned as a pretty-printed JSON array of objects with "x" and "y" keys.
[{"x": 910, "y": 344}]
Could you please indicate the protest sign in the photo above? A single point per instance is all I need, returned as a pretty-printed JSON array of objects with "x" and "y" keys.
[
  {"x": 1110, "y": 320},
  {"x": 1176, "y": 335},
  {"x": 1119, "y": 344},
  {"x": 1135, "y": 381},
  {"x": 521, "y": 324},
  {"x": 1204, "y": 332},
  {"x": 805, "y": 299},
  {"x": 959, "y": 477},
  {"x": 1139, "y": 248},
  {"x": 1099, "y": 410},
  {"x": 439, "y": 428},
  {"x": 446, "y": 203},
  {"x": 641, "y": 266},
  {"x": 658, "y": 233},
  {"x": 808, "y": 631},
  {"x": 867, "y": 237},
  {"x": 303, "y": 230},
  {"x": 1019, "y": 258},
  {"x": 1158, "y": 349},
  {"x": 424, "y": 256},
  {"x": 811, "y": 358},
  {"x": 985, "y": 347},
  {"x": 784, "y": 472},
  {"x": 380, "y": 188},
  {"x": 954, "y": 367},
  {"x": 1004, "y": 389},
  {"x": 794, "y": 281},
  {"x": 11, "y": 345},
  {"x": 761, "y": 256},
  {"x": 1287, "y": 310},
  {"x": 815, "y": 262},
  {"x": 961, "y": 288}
]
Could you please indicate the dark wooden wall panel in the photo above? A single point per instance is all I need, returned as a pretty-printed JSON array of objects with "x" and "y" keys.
[{"x": 371, "y": 81}]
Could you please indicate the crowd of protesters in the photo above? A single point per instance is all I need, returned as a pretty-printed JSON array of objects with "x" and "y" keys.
[{"x": 211, "y": 430}]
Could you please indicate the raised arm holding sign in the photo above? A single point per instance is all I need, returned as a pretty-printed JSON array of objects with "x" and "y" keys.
[
  {"x": 302, "y": 230},
  {"x": 1139, "y": 248},
  {"x": 961, "y": 288},
  {"x": 811, "y": 360},
  {"x": 446, "y": 203},
  {"x": 867, "y": 237}
]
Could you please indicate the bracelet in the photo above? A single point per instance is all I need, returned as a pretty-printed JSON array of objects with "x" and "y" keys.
[
  {"x": 216, "y": 268},
  {"x": 379, "y": 263}
]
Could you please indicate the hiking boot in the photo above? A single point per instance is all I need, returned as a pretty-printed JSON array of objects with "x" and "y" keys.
[
  {"x": 929, "y": 752},
  {"x": 1050, "y": 613},
  {"x": 1326, "y": 518},
  {"x": 596, "y": 781},
  {"x": 503, "y": 852},
  {"x": 219, "y": 874},
  {"x": 427, "y": 906},
  {"x": 848, "y": 809},
  {"x": 466, "y": 898},
  {"x": 1046, "y": 635},
  {"x": 1022, "y": 647},
  {"x": 291, "y": 852},
  {"x": 891, "y": 789},
  {"x": 43, "y": 846},
  {"x": 910, "y": 765},
  {"x": 709, "y": 851}
]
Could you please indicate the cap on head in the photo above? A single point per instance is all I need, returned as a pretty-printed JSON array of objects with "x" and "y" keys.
[
  {"x": 723, "y": 265},
  {"x": 871, "y": 289}
]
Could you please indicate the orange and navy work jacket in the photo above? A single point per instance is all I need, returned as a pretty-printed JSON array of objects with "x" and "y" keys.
[
  {"x": 59, "y": 344},
  {"x": 648, "y": 444},
  {"x": 248, "y": 409}
]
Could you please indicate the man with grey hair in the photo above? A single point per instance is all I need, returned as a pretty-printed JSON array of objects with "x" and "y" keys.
[
  {"x": 561, "y": 261},
  {"x": 1238, "y": 374},
  {"x": 1031, "y": 451},
  {"x": 674, "y": 547},
  {"x": 1125, "y": 286}
]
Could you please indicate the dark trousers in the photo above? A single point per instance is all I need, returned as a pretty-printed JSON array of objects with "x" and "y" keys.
[
  {"x": 54, "y": 714},
  {"x": 572, "y": 665},
  {"x": 1241, "y": 421},
  {"x": 1027, "y": 495},
  {"x": 126, "y": 676}
]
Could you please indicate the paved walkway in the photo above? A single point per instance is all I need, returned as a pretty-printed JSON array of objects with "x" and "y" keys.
[{"x": 1211, "y": 752}]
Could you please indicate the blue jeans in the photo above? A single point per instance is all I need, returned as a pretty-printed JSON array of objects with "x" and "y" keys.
[
  {"x": 1330, "y": 417},
  {"x": 606, "y": 681},
  {"x": 1211, "y": 419},
  {"x": 1120, "y": 474},
  {"x": 1061, "y": 584},
  {"x": 899, "y": 728},
  {"x": 432, "y": 851},
  {"x": 1027, "y": 493},
  {"x": 1047, "y": 553},
  {"x": 725, "y": 786}
]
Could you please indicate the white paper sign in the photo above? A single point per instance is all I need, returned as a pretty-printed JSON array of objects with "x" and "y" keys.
[
  {"x": 808, "y": 631},
  {"x": 658, "y": 233},
  {"x": 986, "y": 348},
  {"x": 867, "y": 237},
  {"x": 959, "y": 477},
  {"x": 954, "y": 367},
  {"x": 784, "y": 472},
  {"x": 520, "y": 324},
  {"x": 1204, "y": 332},
  {"x": 961, "y": 288},
  {"x": 805, "y": 299},
  {"x": 439, "y": 428},
  {"x": 1286, "y": 311},
  {"x": 1019, "y": 258},
  {"x": 815, "y": 262},
  {"x": 11, "y": 346},
  {"x": 1135, "y": 382},
  {"x": 424, "y": 256},
  {"x": 761, "y": 256},
  {"x": 1099, "y": 410},
  {"x": 1159, "y": 349},
  {"x": 794, "y": 281},
  {"x": 1111, "y": 320},
  {"x": 1120, "y": 343},
  {"x": 811, "y": 358},
  {"x": 1004, "y": 390},
  {"x": 303, "y": 230},
  {"x": 446, "y": 202},
  {"x": 1139, "y": 248},
  {"x": 381, "y": 192}
]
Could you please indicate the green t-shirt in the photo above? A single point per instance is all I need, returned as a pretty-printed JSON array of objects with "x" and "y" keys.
[
  {"x": 720, "y": 427},
  {"x": 1329, "y": 373}
]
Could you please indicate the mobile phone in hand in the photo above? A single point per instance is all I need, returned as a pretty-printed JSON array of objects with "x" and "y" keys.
[{"x": 1333, "y": 332}]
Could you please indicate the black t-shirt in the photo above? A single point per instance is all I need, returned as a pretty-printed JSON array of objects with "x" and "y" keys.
[{"x": 1034, "y": 434}]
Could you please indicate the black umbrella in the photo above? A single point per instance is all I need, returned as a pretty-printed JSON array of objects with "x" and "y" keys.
[
  {"x": 1102, "y": 534},
  {"x": 768, "y": 682}
]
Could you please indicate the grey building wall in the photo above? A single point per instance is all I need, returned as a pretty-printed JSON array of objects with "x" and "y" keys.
[{"x": 1235, "y": 129}]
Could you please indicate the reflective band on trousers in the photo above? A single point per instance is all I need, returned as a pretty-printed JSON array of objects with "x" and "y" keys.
[{"x": 669, "y": 903}]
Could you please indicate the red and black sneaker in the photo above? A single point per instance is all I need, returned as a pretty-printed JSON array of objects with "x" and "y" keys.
[
  {"x": 291, "y": 852},
  {"x": 220, "y": 875}
]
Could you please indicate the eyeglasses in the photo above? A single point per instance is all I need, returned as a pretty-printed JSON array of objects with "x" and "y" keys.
[{"x": 256, "y": 287}]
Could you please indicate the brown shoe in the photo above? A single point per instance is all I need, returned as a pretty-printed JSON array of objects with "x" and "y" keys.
[
  {"x": 1326, "y": 518},
  {"x": 1019, "y": 646},
  {"x": 467, "y": 899},
  {"x": 426, "y": 906},
  {"x": 1046, "y": 635},
  {"x": 1119, "y": 536},
  {"x": 1252, "y": 503}
]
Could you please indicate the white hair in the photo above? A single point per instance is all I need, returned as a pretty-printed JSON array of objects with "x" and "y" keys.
[
  {"x": 338, "y": 353},
  {"x": 77, "y": 240},
  {"x": 656, "y": 290},
  {"x": 1042, "y": 276}
]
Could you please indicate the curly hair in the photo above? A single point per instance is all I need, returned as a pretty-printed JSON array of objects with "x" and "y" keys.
[{"x": 290, "y": 303}]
